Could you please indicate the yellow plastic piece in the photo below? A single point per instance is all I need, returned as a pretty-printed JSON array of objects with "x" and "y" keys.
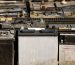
[
  {"x": 2, "y": 19},
  {"x": 9, "y": 18}
]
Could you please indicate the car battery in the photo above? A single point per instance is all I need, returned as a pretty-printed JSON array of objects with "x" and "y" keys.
[
  {"x": 67, "y": 48},
  {"x": 6, "y": 47},
  {"x": 38, "y": 47}
]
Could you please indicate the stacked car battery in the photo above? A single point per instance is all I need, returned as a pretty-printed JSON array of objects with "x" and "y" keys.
[
  {"x": 67, "y": 47},
  {"x": 7, "y": 39}
]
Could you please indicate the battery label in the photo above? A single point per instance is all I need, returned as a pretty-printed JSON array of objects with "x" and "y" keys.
[{"x": 67, "y": 53}]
